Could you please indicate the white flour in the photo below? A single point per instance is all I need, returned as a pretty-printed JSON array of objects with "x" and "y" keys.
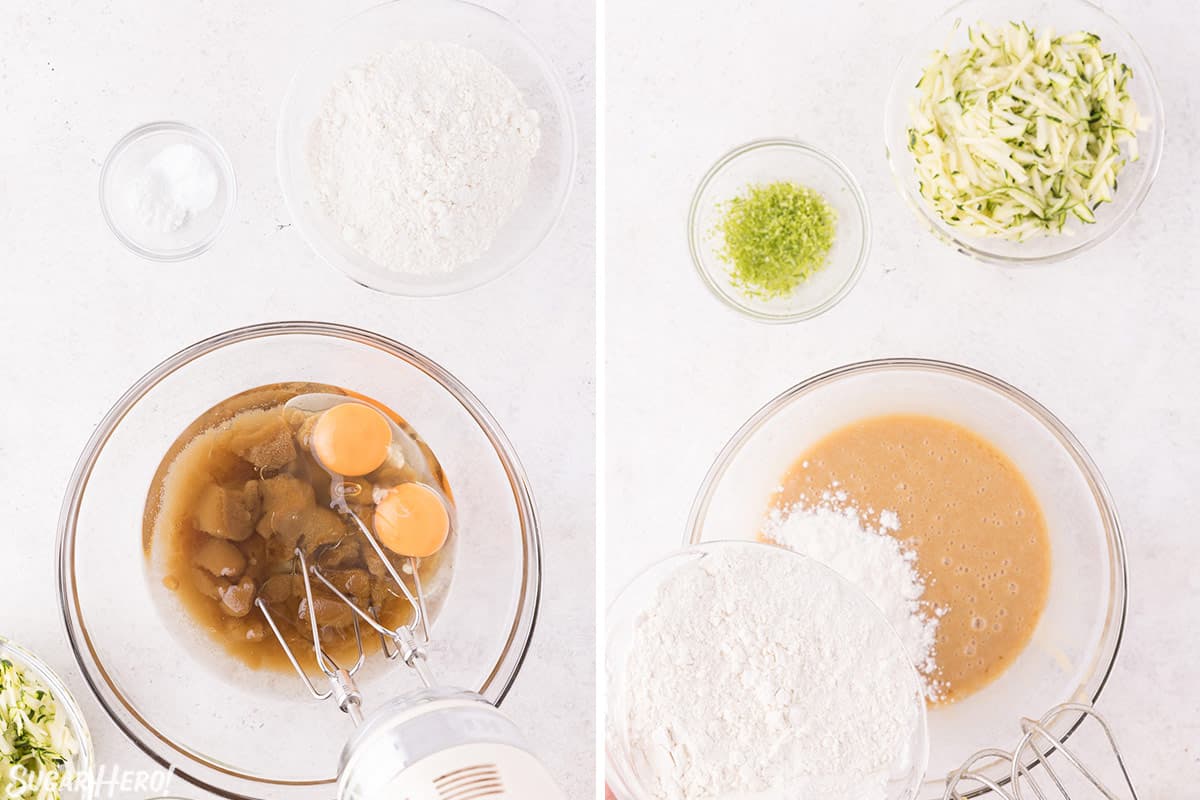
[
  {"x": 421, "y": 154},
  {"x": 843, "y": 539},
  {"x": 754, "y": 675}
]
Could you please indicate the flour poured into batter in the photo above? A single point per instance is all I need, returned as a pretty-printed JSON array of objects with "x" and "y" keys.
[{"x": 964, "y": 509}]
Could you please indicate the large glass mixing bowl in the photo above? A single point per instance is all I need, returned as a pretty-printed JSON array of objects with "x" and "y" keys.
[
  {"x": 244, "y": 733},
  {"x": 1075, "y": 643}
]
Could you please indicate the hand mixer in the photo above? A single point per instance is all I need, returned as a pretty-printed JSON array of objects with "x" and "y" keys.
[
  {"x": 436, "y": 743},
  {"x": 1033, "y": 777}
]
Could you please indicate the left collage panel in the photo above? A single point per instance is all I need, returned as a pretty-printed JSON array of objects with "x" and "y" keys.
[{"x": 299, "y": 446}]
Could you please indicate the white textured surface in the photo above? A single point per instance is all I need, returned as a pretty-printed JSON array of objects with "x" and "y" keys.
[
  {"x": 81, "y": 319},
  {"x": 1108, "y": 341}
]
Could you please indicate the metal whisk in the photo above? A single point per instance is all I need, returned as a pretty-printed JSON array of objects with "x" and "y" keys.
[
  {"x": 1033, "y": 777},
  {"x": 402, "y": 642}
]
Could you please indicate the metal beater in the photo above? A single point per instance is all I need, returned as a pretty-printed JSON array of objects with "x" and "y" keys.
[{"x": 1032, "y": 776}]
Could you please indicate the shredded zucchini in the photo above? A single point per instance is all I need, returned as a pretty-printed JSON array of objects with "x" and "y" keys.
[
  {"x": 36, "y": 745},
  {"x": 1022, "y": 130}
]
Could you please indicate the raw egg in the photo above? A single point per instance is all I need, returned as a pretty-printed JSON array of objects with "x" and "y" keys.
[
  {"x": 351, "y": 439},
  {"x": 412, "y": 520}
]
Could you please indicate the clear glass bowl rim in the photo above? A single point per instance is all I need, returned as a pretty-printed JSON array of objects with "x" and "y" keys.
[
  {"x": 94, "y": 672},
  {"x": 860, "y": 201},
  {"x": 927, "y": 218},
  {"x": 224, "y": 165},
  {"x": 562, "y": 101},
  {"x": 1114, "y": 627}
]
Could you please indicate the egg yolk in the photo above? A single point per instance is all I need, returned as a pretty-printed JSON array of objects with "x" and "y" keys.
[
  {"x": 351, "y": 439},
  {"x": 412, "y": 520}
]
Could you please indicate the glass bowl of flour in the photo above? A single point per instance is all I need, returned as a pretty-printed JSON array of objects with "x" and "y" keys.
[
  {"x": 741, "y": 671},
  {"x": 425, "y": 148}
]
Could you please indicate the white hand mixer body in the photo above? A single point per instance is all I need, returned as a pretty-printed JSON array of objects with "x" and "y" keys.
[{"x": 441, "y": 745}]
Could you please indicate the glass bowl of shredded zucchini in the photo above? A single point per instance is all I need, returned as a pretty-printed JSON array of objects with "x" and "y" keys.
[
  {"x": 1024, "y": 132},
  {"x": 779, "y": 230},
  {"x": 45, "y": 748}
]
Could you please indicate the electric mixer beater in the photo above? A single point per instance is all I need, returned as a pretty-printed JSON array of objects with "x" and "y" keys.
[
  {"x": 436, "y": 743},
  {"x": 1032, "y": 775}
]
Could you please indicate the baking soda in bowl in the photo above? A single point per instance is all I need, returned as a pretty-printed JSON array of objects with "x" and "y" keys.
[
  {"x": 166, "y": 190},
  {"x": 755, "y": 673}
]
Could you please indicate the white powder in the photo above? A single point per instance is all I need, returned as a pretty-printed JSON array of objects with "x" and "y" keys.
[
  {"x": 178, "y": 183},
  {"x": 842, "y": 538},
  {"x": 421, "y": 154},
  {"x": 756, "y": 675}
]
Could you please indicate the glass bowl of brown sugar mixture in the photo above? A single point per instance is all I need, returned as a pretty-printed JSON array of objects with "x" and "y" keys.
[
  {"x": 194, "y": 488},
  {"x": 1005, "y": 518}
]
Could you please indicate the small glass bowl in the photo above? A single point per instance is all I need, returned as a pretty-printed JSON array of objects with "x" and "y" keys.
[
  {"x": 621, "y": 765},
  {"x": 125, "y": 164},
  {"x": 452, "y": 21},
  {"x": 767, "y": 161},
  {"x": 949, "y": 32},
  {"x": 239, "y": 732},
  {"x": 1077, "y": 638},
  {"x": 81, "y": 787}
]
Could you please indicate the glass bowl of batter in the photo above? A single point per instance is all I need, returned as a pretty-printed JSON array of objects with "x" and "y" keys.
[
  {"x": 243, "y": 730},
  {"x": 351, "y": 46},
  {"x": 1009, "y": 519}
]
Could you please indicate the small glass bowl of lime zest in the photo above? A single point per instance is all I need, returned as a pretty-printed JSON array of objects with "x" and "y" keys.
[{"x": 801, "y": 180}]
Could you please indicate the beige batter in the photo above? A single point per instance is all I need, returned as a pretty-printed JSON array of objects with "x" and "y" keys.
[
  {"x": 967, "y": 512},
  {"x": 208, "y": 455}
]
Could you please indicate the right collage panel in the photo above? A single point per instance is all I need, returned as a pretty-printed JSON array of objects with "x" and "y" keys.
[{"x": 900, "y": 370}]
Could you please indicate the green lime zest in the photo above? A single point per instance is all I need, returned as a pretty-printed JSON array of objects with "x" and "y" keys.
[{"x": 774, "y": 237}]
